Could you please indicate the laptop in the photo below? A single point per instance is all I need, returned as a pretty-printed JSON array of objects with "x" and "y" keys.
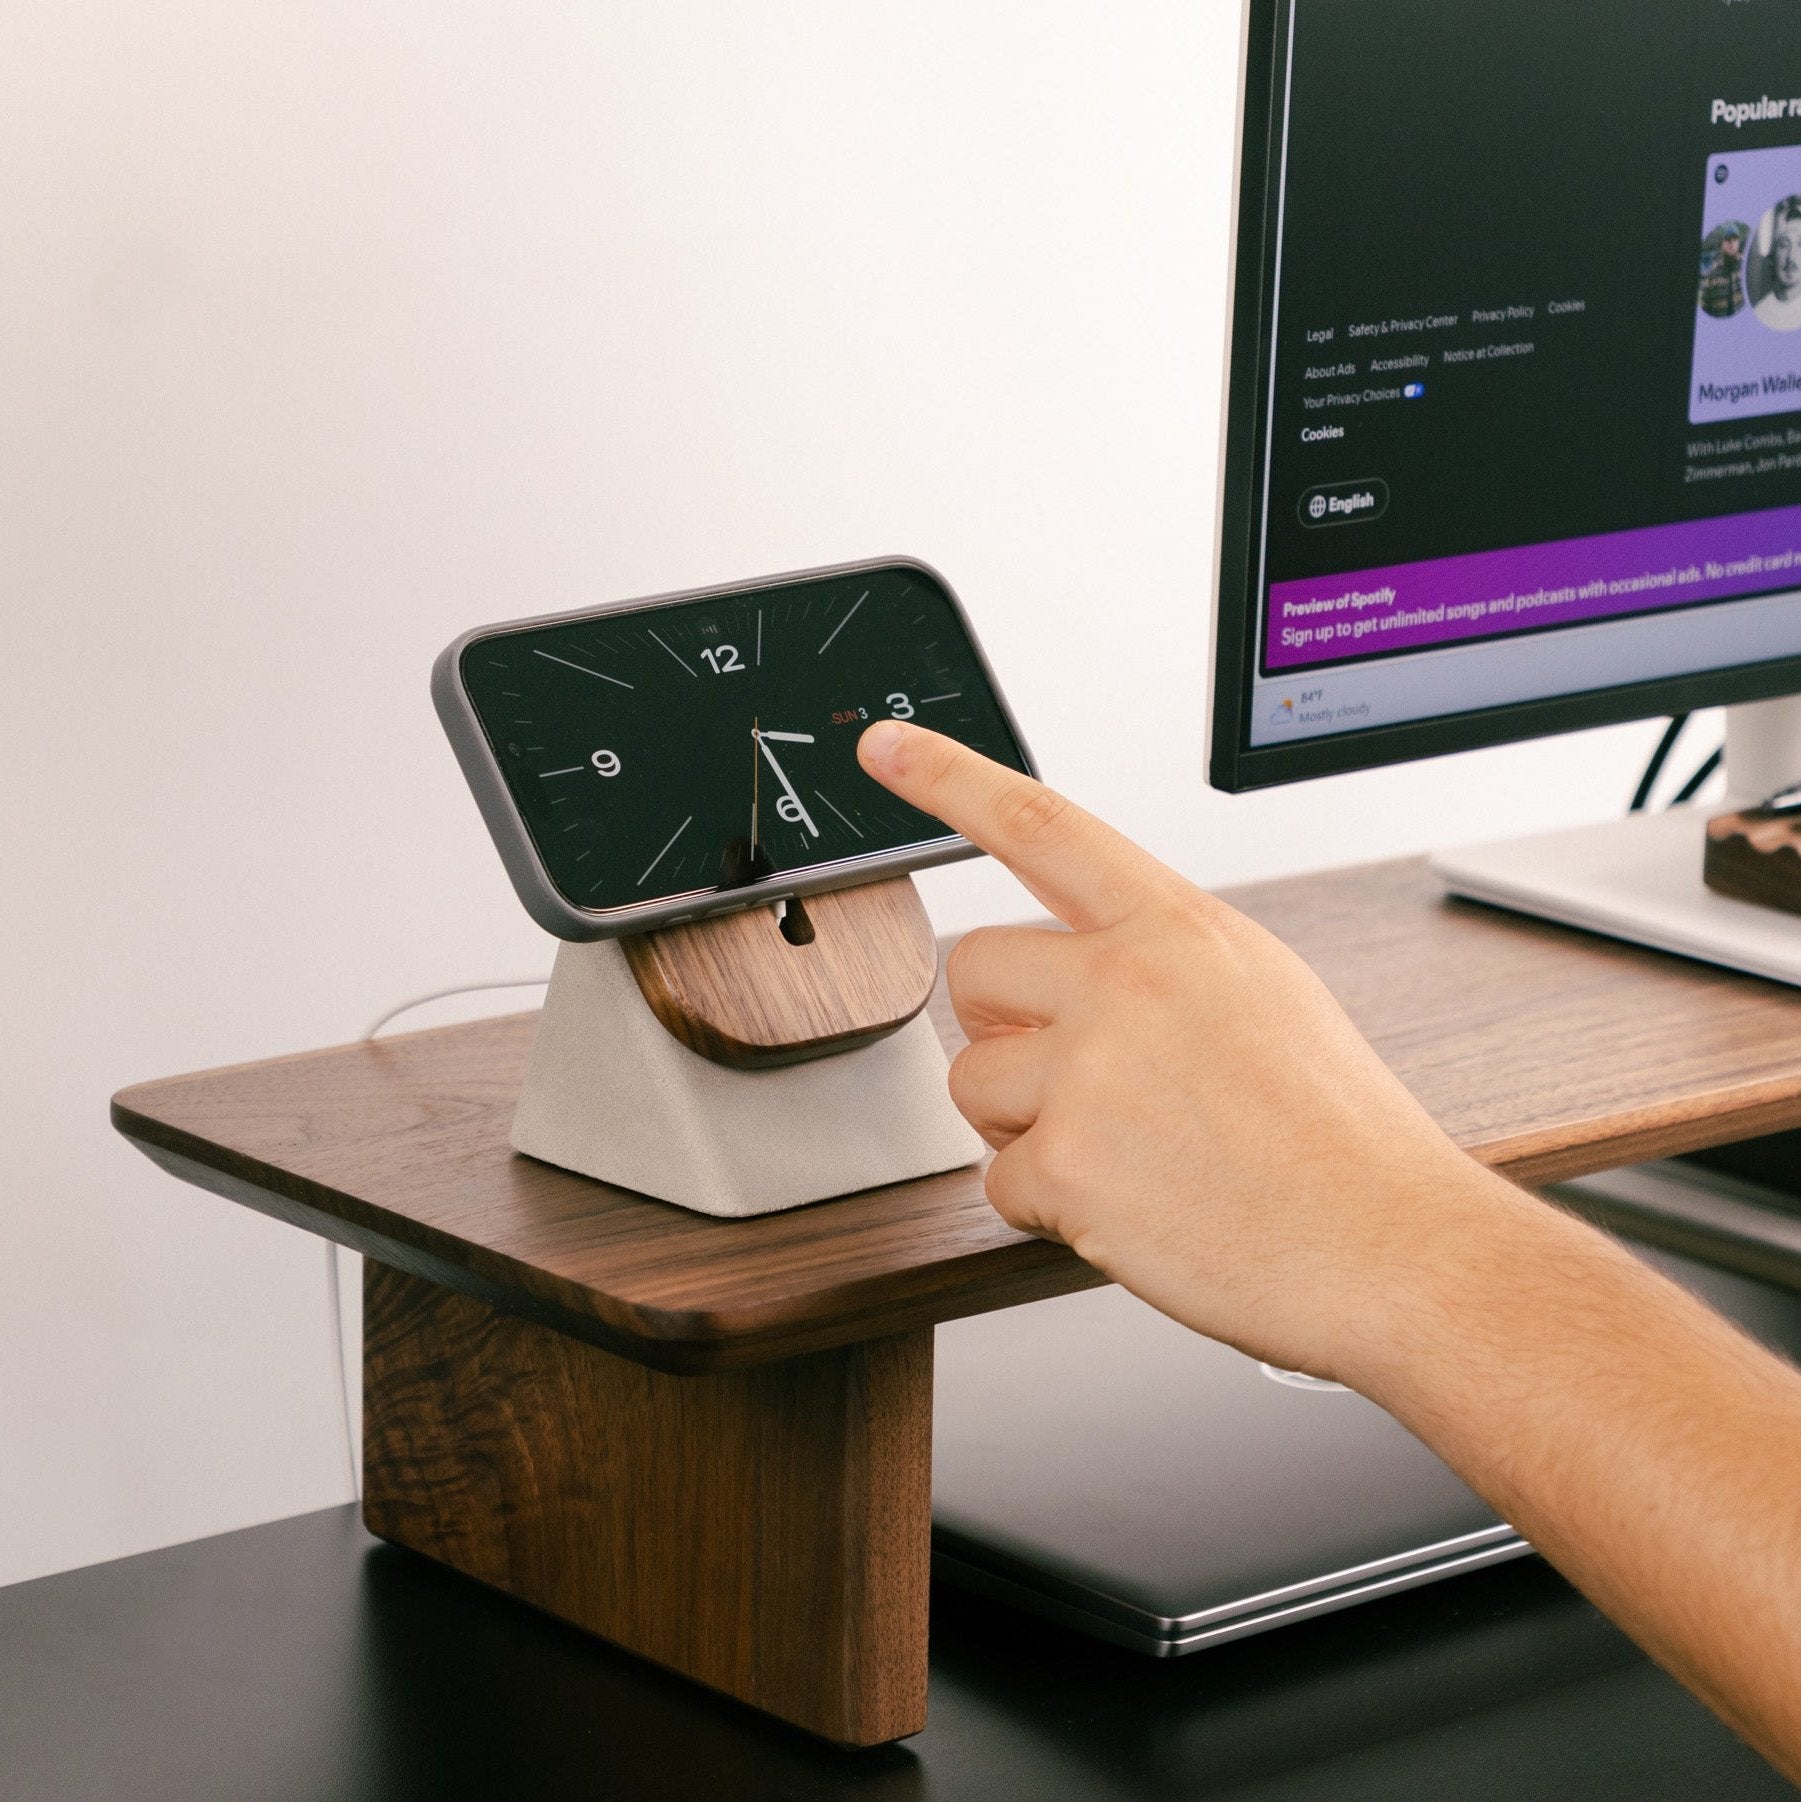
[{"x": 1100, "y": 1465}]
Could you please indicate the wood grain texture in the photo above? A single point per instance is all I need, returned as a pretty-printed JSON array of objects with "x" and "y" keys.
[
  {"x": 1546, "y": 1052},
  {"x": 1755, "y": 856},
  {"x": 766, "y": 1532},
  {"x": 737, "y": 991}
]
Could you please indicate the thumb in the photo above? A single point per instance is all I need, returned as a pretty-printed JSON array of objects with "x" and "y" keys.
[{"x": 1081, "y": 869}]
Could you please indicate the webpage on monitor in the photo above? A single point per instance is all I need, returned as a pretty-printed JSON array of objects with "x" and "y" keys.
[{"x": 1534, "y": 414}]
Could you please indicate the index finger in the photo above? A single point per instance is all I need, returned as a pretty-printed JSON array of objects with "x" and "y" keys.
[{"x": 1080, "y": 868}]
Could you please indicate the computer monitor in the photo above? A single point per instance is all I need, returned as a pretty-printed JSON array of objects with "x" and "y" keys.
[
  {"x": 1513, "y": 428},
  {"x": 1513, "y": 446}
]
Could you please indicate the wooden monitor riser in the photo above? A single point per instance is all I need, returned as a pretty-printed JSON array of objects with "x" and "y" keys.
[{"x": 710, "y": 1440}]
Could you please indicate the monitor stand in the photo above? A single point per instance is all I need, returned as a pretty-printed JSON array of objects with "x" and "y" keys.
[{"x": 1639, "y": 878}]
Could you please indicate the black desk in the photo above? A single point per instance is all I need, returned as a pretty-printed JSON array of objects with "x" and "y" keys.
[{"x": 302, "y": 1662}]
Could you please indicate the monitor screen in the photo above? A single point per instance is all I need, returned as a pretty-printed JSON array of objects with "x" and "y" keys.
[{"x": 1514, "y": 411}]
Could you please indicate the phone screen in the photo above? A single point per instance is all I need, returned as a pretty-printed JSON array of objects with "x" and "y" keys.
[{"x": 688, "y": 747}]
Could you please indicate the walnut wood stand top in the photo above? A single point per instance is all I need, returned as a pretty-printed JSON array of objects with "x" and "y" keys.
[{"x": 1545, "y": 1052}]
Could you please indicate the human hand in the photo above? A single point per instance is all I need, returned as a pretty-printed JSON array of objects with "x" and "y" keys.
[{"x": 1173, "y": 1094}]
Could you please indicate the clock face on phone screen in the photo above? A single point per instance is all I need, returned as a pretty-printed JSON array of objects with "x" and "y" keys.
[{"x": 696, "y": 746}]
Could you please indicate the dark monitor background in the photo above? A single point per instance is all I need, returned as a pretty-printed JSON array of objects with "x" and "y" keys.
[{"x": 1513, "y": 437}]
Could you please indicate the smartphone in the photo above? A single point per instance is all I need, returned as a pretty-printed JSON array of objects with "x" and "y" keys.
[{"x": 655, "y": 761}]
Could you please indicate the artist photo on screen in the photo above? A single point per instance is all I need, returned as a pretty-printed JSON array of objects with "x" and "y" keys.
[
  {"x": 1747, "y": 358},
  {"x": 1723, "y": 269},
  {"x": 1774, "y": 274}
]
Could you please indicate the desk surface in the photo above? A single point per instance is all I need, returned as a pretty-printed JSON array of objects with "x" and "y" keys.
[
  {"x": 301, "y": 1662},
  {"x": 1546, "y": 1052}
]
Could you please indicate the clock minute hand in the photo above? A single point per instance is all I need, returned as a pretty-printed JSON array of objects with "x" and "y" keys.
[{"x": 781, "y": 776}]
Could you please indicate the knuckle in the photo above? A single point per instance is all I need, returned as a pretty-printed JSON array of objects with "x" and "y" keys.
[
  {"x": 1004, "y": 1188},
  {"x": 1204, "y": 922},
  {"x": 965, "y": 1079},
  {"x": 1131, "y": 964},
  {"x": 1015, "y": 1192},
  {"x": 1089, "y": 1069},
  {"x": 1033, "y": 813},
  {"x": 942, "y": 757},
  {"x": 1197, "y": 911},
  {"x": 1061, "y": 1153},
  {"x": 967, "y": 954}
]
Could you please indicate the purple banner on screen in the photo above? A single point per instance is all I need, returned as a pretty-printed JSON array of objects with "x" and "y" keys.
[{"x": 1407, "y": 606}]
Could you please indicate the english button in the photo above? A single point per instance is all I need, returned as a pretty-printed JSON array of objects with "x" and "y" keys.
[{"x": 1344, "y": 503}]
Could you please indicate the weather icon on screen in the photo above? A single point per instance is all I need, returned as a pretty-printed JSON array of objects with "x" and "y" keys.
[{"x": 1284, "y": 715}]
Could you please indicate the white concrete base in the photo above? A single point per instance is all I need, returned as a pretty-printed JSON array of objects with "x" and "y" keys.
[{"x": 609, "y": 1093}]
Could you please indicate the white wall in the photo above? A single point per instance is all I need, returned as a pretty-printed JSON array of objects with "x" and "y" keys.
[{"x": 329, "y": 330}]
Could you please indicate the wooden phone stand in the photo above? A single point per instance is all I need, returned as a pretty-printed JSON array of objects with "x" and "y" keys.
[{"x": 749, "y": 1063}]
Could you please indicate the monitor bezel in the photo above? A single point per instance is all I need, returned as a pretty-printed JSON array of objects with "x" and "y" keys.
[{"x": 1233, "y": 764}]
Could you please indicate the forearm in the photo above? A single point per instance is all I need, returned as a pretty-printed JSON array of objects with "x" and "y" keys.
[{"x": 1644, "y": 1445}]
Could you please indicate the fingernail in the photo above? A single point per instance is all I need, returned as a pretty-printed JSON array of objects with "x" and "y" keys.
[{"x": 881, "y": 744}]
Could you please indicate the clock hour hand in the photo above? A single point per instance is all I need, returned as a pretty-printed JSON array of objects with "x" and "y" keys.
[{"x": 781, "y": 776}]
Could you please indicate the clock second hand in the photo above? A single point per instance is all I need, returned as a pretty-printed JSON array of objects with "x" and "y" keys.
[
  {"x": 781, "y": 775},
  {"x": 756, "y": 776}
]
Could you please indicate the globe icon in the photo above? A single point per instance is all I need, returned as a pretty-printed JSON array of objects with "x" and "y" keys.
[{"x": 1317, "y": 506}]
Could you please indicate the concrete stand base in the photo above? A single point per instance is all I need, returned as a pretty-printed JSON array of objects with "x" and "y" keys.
[{"x": 610, "y": 1094}]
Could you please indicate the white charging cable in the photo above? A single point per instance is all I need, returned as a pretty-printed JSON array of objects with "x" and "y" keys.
[{"x": 462, "y": 988}]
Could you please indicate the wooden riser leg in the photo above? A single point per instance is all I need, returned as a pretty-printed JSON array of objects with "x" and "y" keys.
[{"x": 763, "y": 1531}]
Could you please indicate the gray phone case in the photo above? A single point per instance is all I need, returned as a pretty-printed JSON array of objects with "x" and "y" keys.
[{"x": 558, "y": 915}]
